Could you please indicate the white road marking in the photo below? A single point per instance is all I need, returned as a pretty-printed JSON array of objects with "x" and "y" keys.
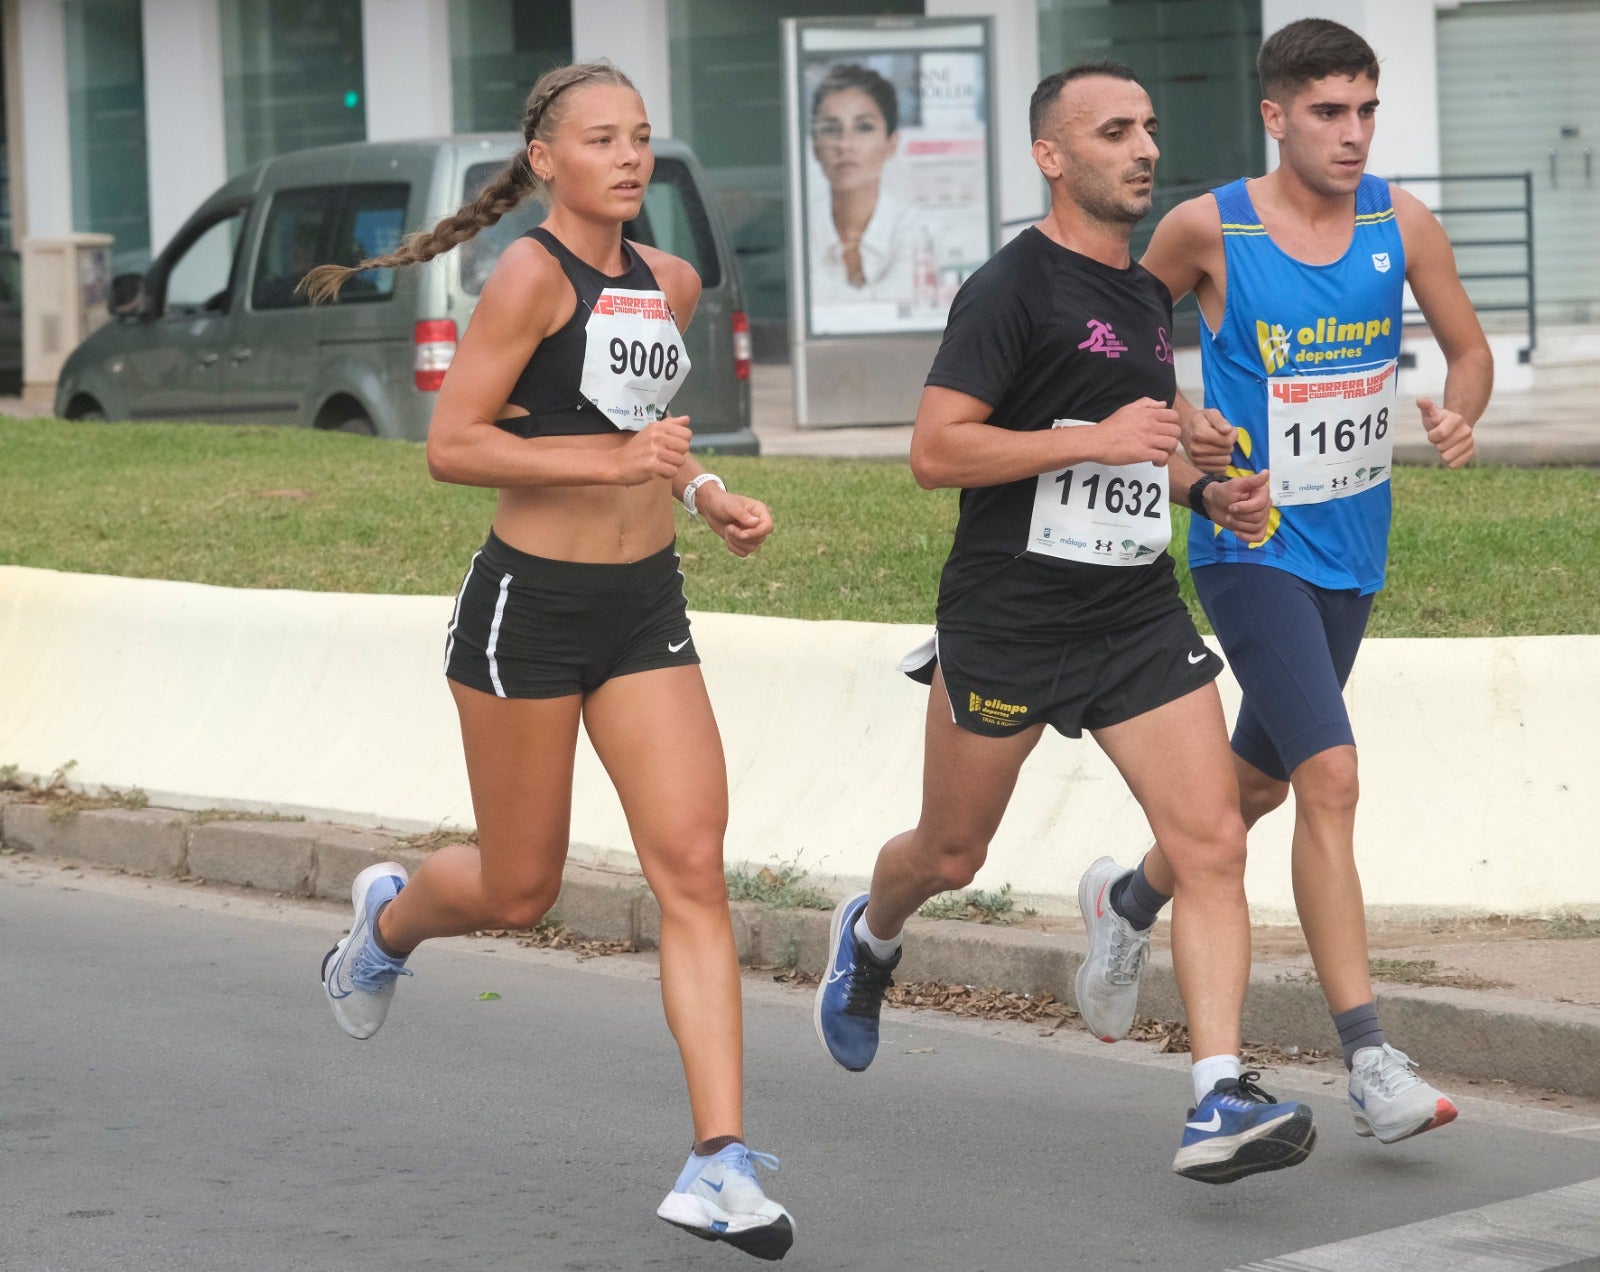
[{"x": 1544, "y": 1232}]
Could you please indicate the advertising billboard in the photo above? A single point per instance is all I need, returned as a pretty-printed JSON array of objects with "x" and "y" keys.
[{"x": 891, "y": 172}]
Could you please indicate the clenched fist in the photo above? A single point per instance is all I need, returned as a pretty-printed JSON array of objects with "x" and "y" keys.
[
  {"x": 656, "y": 450},
  {"x": 1450, "y": 434},
  {"x": 1143, "y": 432},
  {"x": 1209, "y": 440}
]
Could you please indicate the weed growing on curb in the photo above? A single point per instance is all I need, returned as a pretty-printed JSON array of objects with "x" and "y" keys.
[
  {"x": 1426, "y": 971},
  {"x": 1566, "y": 926},
  {"x": 62, "y": 799},
  {"x": 976, "y": 906},
  {"x": 782, "y": 885}
]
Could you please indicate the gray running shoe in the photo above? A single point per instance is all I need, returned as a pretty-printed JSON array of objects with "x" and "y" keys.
[
  {"x": 357, "y": 976},
  {"x": 1108, "y": 979},
  {"x": 1389, "y": 1100}
]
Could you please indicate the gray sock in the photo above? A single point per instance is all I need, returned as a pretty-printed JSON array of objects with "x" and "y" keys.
[
  {"x": 1133, "y": 897},
  {"x": 1358, "y": 1028}
]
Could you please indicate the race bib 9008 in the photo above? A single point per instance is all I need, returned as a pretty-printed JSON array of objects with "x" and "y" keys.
[
  {"x": 1100, "y": 514},
  {"x": 633, "y": 358},
  {"x": 1332, "y": 435}
]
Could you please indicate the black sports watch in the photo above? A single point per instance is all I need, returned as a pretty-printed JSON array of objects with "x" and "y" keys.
[{"x": 1197, "y": 493}]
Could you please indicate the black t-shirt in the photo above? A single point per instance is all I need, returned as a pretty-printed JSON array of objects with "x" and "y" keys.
[{"x": 1041, "y": 333}]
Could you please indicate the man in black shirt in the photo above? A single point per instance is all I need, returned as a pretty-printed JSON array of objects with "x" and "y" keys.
[{"x": 1050, "y": 405}]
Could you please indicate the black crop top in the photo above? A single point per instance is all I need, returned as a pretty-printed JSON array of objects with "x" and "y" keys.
[{"x": 548, "y": 386}]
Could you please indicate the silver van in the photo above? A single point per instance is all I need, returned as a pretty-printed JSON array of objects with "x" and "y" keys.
[{"x": 215, "y": 330}]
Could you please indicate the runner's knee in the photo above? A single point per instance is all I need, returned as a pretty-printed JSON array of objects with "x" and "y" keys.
[
  {"x": 1328, "y": 783},
  {"x": 1210, "y": 852},
  {"x": 523, "y": 904},
  {"x": 950, "y": 863}
]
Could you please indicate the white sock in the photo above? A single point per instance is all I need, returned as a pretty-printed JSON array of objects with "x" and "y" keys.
[
  {"x": 882, "y": 949},
  {"x": 1208, "y": 1072}
]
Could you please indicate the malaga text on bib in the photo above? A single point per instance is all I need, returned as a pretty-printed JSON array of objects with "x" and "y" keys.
[
  {"x": 1332, "y": 435},
  {"x": 634, "y": 359},
  {"x": 1100, "y": 514}
]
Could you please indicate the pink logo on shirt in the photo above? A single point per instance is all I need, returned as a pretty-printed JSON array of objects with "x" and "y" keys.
[
  {"x": 1103, "y": 340},
  {"x": 1163, "y": 346}
]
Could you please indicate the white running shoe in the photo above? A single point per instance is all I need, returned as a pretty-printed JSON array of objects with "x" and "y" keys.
[
  {"x": 1108, "y": 978},
  {"x": 718, "y": 1198},
  {"x": 357, "y": 976},
  {"x": 1389, "y": 1100}
]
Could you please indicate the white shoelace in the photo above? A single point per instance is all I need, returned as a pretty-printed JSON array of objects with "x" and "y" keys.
[{"x": 1128, "y": 950}]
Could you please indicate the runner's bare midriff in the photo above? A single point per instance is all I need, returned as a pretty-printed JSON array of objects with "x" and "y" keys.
[{"x": 601, "y": 525}]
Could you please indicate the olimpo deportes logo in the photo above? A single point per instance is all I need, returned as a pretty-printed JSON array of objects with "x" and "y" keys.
[{"x": 1333, "y": 339}]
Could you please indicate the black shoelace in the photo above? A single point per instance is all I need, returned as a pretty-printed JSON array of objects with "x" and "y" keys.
[
  {"x": 869, "y": 982},
  {"x": 1247, "y": 1087}
]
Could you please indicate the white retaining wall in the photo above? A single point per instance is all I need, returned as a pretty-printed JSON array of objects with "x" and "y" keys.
[{"x": 1479, "y": 760}]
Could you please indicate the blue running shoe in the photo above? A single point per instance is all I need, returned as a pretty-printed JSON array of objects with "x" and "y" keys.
[
  {"x": 1240, "y": 1130},
  {"x": 851, "y": 994},
  {"x": 357, "y": 976},
  {"x": 719, "y": 1198}
]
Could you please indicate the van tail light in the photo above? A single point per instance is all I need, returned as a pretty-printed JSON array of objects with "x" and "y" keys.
[
  {"x": 435, "y": 341},
  {"x": 741, "y": 345}
]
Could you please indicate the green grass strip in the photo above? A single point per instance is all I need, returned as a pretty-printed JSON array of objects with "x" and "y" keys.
[{"x": 1485, "y": 552}]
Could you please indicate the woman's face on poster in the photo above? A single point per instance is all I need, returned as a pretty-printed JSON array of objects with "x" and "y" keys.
[{"x": 851, "y": 139}]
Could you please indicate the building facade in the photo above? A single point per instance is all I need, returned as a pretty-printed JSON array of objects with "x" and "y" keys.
[{"x": 122, "y": 115}]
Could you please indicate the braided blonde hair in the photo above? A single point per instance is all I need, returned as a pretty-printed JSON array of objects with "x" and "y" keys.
[{"x": 509, "y": 187}]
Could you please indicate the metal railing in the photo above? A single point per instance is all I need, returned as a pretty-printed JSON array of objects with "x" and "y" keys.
[{"x": 1500, "y": 202}]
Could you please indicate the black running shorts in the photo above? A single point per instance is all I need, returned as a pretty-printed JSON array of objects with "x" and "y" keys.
[
  {"x": 530, "y": 627},
  {"x": 998, "y": 687}
]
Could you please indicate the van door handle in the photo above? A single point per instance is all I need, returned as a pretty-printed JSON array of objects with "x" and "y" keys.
[{"x": 242, "y": 355}]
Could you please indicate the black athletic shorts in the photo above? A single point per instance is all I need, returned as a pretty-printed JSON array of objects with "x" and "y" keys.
[
  {"x": 530, "y": 627},
  {"x": 999, "y": 687}
]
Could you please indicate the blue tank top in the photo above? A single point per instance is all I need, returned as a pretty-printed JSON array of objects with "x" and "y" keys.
[{"x": 1304, "y": 366}]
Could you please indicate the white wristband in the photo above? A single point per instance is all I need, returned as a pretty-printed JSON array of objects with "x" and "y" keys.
[{"x": 693, "y": 486}]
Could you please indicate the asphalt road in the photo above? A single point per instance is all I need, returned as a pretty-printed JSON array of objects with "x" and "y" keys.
[{"x": 174, "y": 1094}]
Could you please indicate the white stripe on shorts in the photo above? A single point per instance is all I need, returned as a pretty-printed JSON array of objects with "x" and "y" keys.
[
  {"x": 455, "y": 614},
  {"x": 494, "y": 636}
]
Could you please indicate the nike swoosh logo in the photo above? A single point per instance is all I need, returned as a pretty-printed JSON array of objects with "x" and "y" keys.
[
  {"x": 1099, "y": 910},
  {"x": 672, "y": 649},
  {"x": 1196, "y": 659},
  {"x": 839, "y": 973},
  {"x": 714, "y": 1187},
  {"x": 1215, "y": 1124}
]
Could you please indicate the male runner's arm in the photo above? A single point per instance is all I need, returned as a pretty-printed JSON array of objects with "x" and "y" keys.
[
  {"x": 1186, "y": 254},
  {"x": 953, "y": 444},
  {"x": 1431, "y": 271},
  {"x": 1241, "y": 504}
]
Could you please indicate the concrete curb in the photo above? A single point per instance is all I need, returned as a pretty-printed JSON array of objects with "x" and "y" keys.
[{"x": 1465, "y": 1032}]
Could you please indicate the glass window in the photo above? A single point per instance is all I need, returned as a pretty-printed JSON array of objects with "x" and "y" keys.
[
  {"x": 1197, "y": 59},
  {"x": 479, "y": 253},
  {"x": 291, "y": 76},
  {"x": 199, "y": 281},
  {"x": 105, "y": 106},
  {"x": 370, "y": 224},
  {"x": 673, "y": 218},
  {"x": 497, "y": 49},
  {"x": 727, "y": 102},
  {"x": 292, "y": 242}
]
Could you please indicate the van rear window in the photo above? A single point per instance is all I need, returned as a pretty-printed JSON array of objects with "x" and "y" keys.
[{"x": 673, "y": 218}]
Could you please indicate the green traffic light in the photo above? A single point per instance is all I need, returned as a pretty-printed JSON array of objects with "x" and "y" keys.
[{"x": 352, "y": 99}]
